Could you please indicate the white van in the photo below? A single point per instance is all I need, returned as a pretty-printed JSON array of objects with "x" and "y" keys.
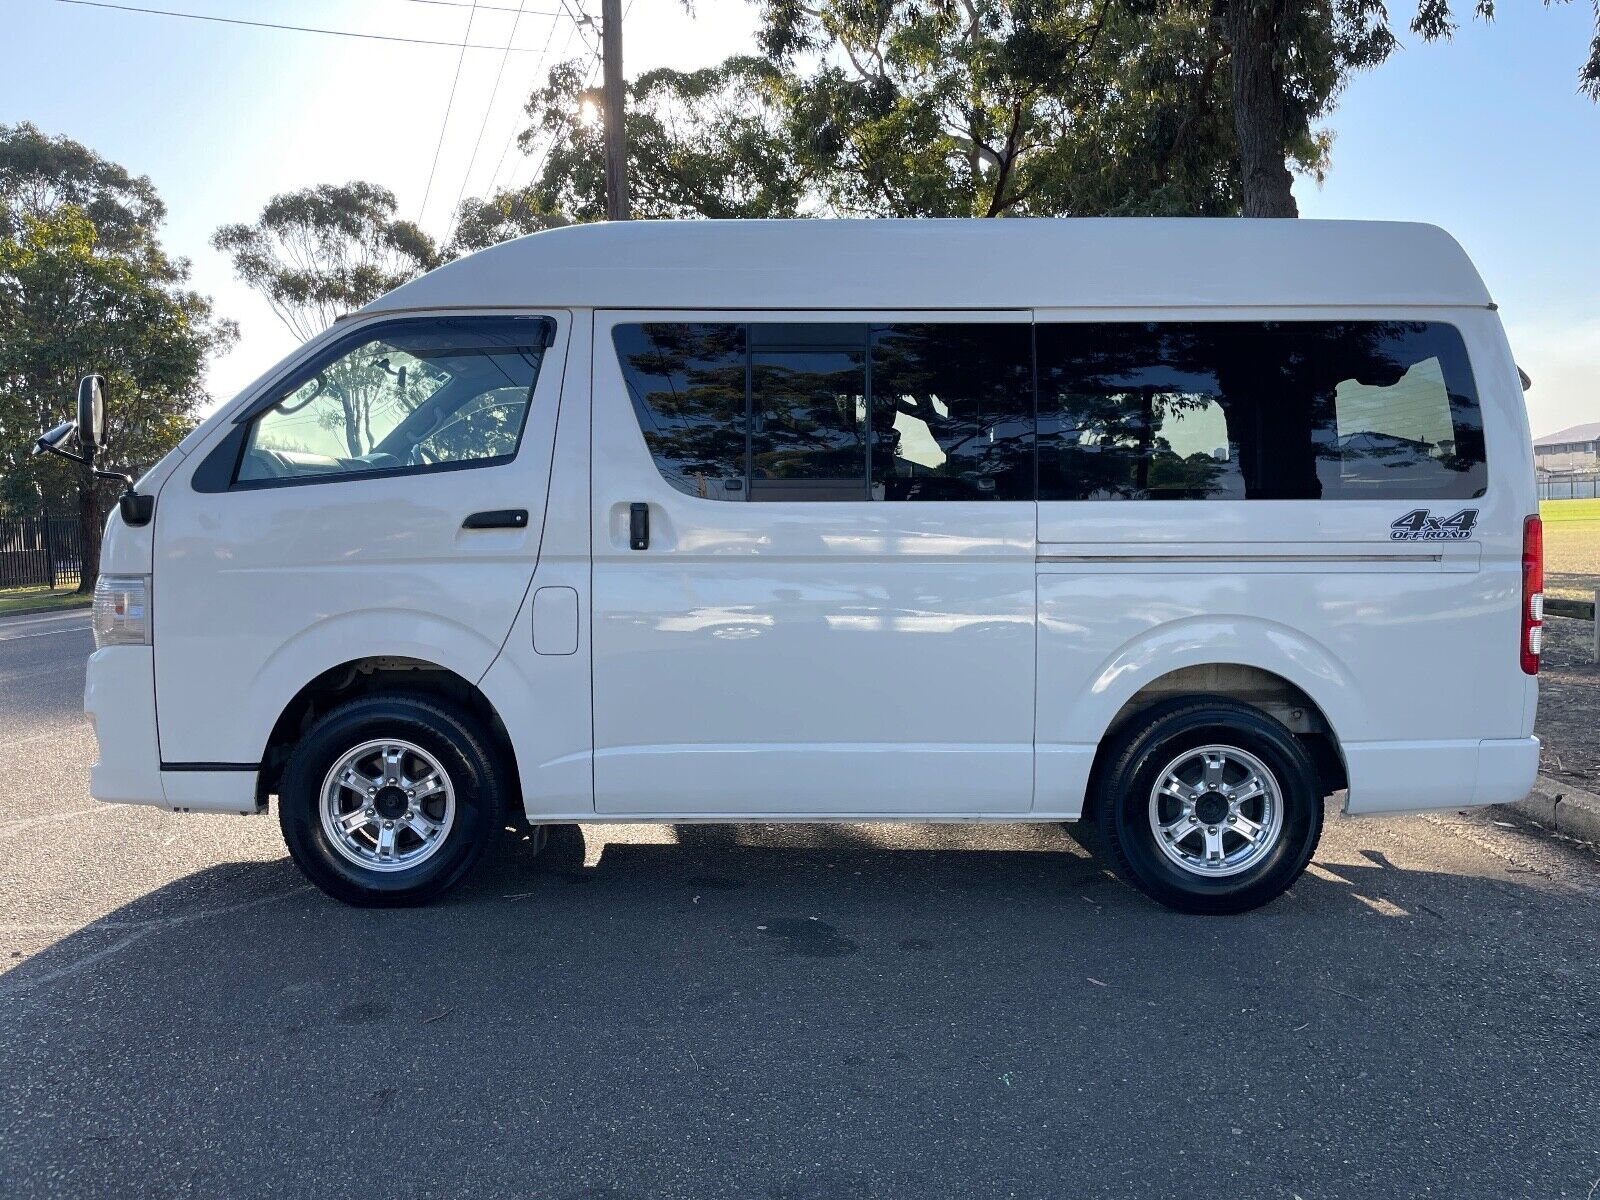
[{"x": 1172, "y": 526}]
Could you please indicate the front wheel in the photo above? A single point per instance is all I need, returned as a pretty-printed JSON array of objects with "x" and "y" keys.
[
  {"x": 1209, "y": 805},
  {"x": 389, "y": 800}
]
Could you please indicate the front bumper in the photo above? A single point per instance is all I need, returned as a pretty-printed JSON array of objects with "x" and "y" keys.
[{"x": 119, "y": 696}]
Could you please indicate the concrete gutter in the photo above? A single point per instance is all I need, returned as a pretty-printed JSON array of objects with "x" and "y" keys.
[{"x": 1563, "y": 807}]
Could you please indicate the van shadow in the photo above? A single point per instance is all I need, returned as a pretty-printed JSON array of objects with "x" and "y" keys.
[{"x": 791, "y": 1010}]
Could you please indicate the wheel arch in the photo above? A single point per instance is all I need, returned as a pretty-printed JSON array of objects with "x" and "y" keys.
[
  {"x": 1269, "y": 666},
  {"x": 378, "y": 675}
]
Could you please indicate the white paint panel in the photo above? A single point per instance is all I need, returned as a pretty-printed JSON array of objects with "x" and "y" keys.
[
  {"x": 957, "y": 264},
  {"x": 788, "y": 658},
  {"x": 543, "y": 699},
  {"x": 261, "y": 590},
  {"x": 1410, "y": 776},
  {"x": 119, "y": 696},
  {"x": 211, "y": 791}
]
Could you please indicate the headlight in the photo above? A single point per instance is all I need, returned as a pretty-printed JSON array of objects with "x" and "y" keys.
[{"x": 122, "y": 610}]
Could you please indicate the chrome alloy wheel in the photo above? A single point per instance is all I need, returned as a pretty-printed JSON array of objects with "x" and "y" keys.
[
  {"x": 387, "y": 805},
  {"x": 1216, "y": 811}
]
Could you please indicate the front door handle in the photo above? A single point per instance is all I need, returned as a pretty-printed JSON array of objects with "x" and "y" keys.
[
  {"x": 638, "y": 526},
  {"x": 498, "y": 518}
]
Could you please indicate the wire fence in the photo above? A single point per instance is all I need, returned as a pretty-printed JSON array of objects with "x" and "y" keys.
[
  {"x": 40, "y": 551},
  {"x": 1570, "y": 487}
]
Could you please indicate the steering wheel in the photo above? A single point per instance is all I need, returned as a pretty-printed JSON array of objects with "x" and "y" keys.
[{"x": 421, "y": 457}]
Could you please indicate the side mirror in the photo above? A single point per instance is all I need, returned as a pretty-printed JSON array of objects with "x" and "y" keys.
[
  {"x": 92, "y": 414},
  {"x": 52, "y": 440},
  {"x": 91, "y": 430}
]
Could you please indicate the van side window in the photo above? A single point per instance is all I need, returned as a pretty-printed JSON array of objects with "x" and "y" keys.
[
  {"x": 952, "y": 412},
  {"x": 835, "y": 411},
  {"x": 1298, "y": 410},
  {"x": 411, "y": 397},
  {"x": 689, "y": 390},
  {"x": 808, "y": 410}
]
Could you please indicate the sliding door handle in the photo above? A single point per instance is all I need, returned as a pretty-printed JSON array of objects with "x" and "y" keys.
[
  {"x": 638, "y": 526},
  {"x": 498, "y": 518}
]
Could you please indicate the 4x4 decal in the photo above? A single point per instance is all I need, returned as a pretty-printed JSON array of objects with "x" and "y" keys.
[{"x": 1418, "y": 526}]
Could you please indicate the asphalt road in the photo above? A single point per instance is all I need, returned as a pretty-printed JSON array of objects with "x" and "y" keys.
[{"x": 759, "y": 1011}]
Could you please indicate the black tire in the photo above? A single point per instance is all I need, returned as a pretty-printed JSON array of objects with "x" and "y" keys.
[
  {"x": 1130, "y": 772},
  {"x": 454, "y": 739}
]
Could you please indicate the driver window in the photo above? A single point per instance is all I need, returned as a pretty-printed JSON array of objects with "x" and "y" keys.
[{"x": 406, "y": 398}]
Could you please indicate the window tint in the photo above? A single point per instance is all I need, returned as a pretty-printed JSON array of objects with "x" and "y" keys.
[
  {"x": 952, "y": 412},
  {"x": 688, "y": 386},
  {"x": 780, "y": 411},
  {"x": 1274, "y": 411},
  {"x": 413, "y": 396},
  {"x": 808, "y": 407}
]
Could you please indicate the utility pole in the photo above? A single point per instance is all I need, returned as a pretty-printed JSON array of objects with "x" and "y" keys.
[{"x": 616, "y": 141}]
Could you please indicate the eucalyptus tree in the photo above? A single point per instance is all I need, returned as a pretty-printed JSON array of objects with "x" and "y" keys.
[
  {"x": 1004, "y": 107},
  {"x": 321, "y": 252},
  {"x": 86, "y": 286},
  {"x": 708, "y": 143}
]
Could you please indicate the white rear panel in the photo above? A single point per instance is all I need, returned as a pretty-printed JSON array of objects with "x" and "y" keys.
[{"x": 1398, "y": 643}]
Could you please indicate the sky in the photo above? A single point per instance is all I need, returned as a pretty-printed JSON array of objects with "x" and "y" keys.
[{"x": 1486, "y": 136}]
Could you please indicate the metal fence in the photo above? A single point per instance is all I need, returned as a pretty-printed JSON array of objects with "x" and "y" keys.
[
  {"x": 1570, "y": 487},
  {"x": 41, "y": 551}
]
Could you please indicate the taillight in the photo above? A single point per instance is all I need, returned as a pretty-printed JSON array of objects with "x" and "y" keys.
[{"x": 1532, "y": 593}]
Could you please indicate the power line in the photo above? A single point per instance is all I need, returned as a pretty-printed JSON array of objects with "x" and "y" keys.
[
  {"x": 512, "y": 136},
  {"x": 494, "y": 91},
  {"x": 448, "y": 105},
  {"x": 350, "y": 33},
  {"x": 529, "y": 12},
  {"x": 580, "y": 19}
]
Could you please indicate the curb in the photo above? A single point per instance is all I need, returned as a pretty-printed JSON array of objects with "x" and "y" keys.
[{"x": 1561, "y": 806}]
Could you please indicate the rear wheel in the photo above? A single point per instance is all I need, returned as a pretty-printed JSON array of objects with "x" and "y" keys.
[
  {"x": 1209, "y": 805},
  {"x": 389, "y": 800}
]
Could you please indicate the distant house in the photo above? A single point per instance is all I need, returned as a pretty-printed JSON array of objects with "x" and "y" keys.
[{"x": 1569, "y": 450}]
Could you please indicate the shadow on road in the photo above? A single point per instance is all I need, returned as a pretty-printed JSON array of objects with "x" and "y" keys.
[{"x": 807, "y": 1011}]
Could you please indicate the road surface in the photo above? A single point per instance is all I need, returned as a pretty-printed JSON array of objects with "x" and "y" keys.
[{"x": 760, "y": 1011}]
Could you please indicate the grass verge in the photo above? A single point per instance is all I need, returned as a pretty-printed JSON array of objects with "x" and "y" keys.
[{"x": 15, "y": 600}]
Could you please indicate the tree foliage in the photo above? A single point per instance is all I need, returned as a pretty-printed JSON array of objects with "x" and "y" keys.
[
  {"x": 74, "y": 300},
  {"x": 706, "y": 143},
  {"x": 1004, "y": 107},
  {"x": 321, "y": 252},
  {"x": 40, "y": 175},
  {"x": 958, "y": 108},
  {"x": 499, "y": 218}
]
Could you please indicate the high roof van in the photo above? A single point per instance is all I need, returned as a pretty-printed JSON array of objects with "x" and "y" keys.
[{"x": 1177, "y": 528}]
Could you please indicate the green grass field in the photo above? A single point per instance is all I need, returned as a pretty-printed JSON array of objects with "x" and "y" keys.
[
  {"x": 1571, "y": 548},
  {"x": 1559, "y": 512}
]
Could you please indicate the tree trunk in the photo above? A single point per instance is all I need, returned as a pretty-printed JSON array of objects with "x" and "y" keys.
[
  {"x": 90, "y": 520},
  {"x": 1252, "y": 28}
]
